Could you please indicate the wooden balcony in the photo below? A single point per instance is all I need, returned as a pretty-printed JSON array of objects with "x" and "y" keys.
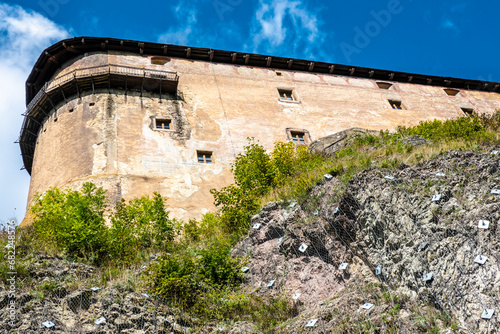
[{"x": 84, "y": 80}]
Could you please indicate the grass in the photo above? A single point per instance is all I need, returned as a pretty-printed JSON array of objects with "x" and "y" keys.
[{"x": 388, "y": 150}]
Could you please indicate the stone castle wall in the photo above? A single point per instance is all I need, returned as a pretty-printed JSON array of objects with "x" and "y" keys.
[{"x": 109, "y": 138}]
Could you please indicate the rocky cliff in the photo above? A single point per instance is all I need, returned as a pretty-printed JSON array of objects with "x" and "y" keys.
[
  {"x": 410, "y": 250},
  {"x": 412, "y": 242}
]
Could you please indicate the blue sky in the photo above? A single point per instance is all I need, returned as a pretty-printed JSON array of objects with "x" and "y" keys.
[{"x": 448, "y": 38}]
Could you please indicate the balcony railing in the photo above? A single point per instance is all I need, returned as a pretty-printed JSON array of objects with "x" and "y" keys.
[
  {"x": 96, "y": 71},
  {"x": 83, "y": 80}
]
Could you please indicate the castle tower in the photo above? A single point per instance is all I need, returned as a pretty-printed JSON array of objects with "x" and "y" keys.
[{"x": 136, "y": 117}]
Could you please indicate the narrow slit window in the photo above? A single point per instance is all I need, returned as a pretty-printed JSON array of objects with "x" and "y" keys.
[
  {"x": 163, "y": 124},
  {"x": 287, "y": 95},
  {"x": 396, "y": 104},
  {"x": 204, "y": 157},
  {"x": 278, "y": 73},
  {"x": 298, "y": 137},
  {"x": 451, "y": 92},
  {"x": 468, "y": 111},
  {"x": 384, "y": 85}
]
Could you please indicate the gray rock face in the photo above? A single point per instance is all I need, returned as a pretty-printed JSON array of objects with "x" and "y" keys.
[
  {"x": 77, "y": 312},
  {"x": 79, "y": 300},
  {"x": 332, "y": 143},
  {"x": 392, "y": 234}
]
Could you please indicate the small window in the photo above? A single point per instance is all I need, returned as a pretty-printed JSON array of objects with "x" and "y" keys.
[
  {"x": 298, "y": 137},
  {"x": 396, "y": 104},
  {"x": 278, "y": 74},
  {"x": 204, "y": 157},
  {"x": 384, "y": 85},
  {"x": 468, "y": 111},
  {"x": 71, "y": 110},
  {"x": 159, "y": 60},
  {"x": 163, "y": 124},
  {"x": 451, "y": 92},
  {"x": 287, "y": 95},
  {"x": 91, "y": 104}
]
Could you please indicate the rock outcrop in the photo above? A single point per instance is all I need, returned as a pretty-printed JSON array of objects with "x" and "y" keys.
[
  {"x": 416, "y": 249},
  {"x": 410, "y": 238},
  {"x": 332, "y": 143}
]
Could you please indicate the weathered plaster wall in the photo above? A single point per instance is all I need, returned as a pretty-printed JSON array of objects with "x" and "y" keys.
[{"x": 113, "y": 144}]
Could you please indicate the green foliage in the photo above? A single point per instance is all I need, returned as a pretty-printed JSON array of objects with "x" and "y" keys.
[
  {"x": 217, "y": 267},
  {"x": 141, "y": 224},
  {"x": 251, "y": 169},
  {"x": 256, "y": 173},
  {"x": 283, "y": 162},
  {"x": 464, "y": 127},
  {"x": 208, "y": 228},
  {"x": 174, "y": 276},
  {"x": 253, "y": 178},
  {"x": 395, "y": 310},
  {"x": 47, "y": 288},
  {"x": 73, "y": 222},
  {"x": 12, "y": 257},
  {"x": 21, "y": 270},
  {"x": 474, "y": 127},
  {"x": 186, "y": 278}
]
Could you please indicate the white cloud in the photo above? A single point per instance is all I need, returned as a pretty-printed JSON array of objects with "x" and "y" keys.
[
  {"x": 181, "y": 34},
  {"x": 287, "y": 26},
  {"x": 23, "y": 36},
  {"x": 448, "y": 21}
]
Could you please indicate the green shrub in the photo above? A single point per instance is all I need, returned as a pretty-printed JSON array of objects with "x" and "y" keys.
[
  {"x": 256, "y": 173},
  {"x": 217, "y": 267},
  {"x": 73, "y": 221},
  {"x": 174, "y": 277},
  {"x": 253, "y": 178},
  {"x": 187, "y": 278},
  {"x": 141, "y": 224},
  {"x": 463, "y": 127},
  {"x": 207, "y": 229}
]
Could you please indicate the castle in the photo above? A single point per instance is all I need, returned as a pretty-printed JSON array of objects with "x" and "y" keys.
[{"x": 136, "y": 117}]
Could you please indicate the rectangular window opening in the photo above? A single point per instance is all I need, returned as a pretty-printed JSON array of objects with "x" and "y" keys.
[
  {"x": 163, "y": 124},
  {"x": 278, "y": 73},
  {"x": 204, "y": 157},
  {"x": 396, "y": 104},
  {"x": 91, "y": 104},
  {"x": 468, "y": 111},
  {"x": 298, "y": 137},
  {"x": 287, "y": 95}
]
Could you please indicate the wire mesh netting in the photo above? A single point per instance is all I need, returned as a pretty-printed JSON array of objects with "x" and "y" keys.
[{"x": 390, "y": 251}]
